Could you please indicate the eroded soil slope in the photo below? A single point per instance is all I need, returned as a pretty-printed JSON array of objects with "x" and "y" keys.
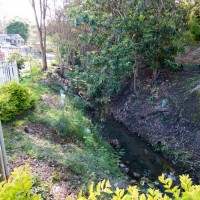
[{"x": 174, "y": 129}]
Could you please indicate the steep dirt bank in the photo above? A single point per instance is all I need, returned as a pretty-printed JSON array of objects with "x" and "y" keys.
[{"x": 174, "y": 129}]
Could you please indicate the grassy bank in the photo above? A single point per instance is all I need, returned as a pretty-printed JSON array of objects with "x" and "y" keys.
[{"x": 60, "y": 137}]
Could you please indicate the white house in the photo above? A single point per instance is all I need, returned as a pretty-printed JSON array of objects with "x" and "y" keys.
[
  {"x": 9, "y": 43},
  {"x": 12, "y": 39}
]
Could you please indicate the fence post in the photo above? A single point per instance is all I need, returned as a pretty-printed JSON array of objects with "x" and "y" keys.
[
  {"x": 4, "y": 171},
  {"x": 16, "y": 72},
  {"x": 8, "y": 73}
]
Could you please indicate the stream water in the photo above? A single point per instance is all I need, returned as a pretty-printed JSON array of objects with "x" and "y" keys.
[{"x": 138, "y": 156}]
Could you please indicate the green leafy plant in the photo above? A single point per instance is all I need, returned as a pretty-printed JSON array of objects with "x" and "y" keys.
[
  {"x": 18, "y": 186},
  {"x": 18, "y": 58},
  {"x": 14, "y": 99},
  {"x": 119, "y": 38},
  {"x": 186, "y": 191},
  {"x": 194, "y": 21}
]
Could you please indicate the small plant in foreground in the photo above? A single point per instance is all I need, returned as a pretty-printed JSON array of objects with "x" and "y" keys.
[
  {"x": 18, "y": 186},
  {"x": 186, "y": 191}
]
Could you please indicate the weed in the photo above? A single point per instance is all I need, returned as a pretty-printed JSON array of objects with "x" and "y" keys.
[{"x": 18, "y": 123}]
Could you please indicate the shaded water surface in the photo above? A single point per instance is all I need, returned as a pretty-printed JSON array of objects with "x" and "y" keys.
[{"x": 138, "y": 155}]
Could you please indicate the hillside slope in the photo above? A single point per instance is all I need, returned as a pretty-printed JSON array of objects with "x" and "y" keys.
[{"x": 174, "y": 129}]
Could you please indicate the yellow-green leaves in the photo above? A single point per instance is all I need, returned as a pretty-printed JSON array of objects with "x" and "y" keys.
[
  {"x": 18, "y": 186},
  {"x": 187, "y": 191},
  {"x": 154, "y": 194},
  {"x": 102, "y": 187},
  {"x": 186, "y": 182}
]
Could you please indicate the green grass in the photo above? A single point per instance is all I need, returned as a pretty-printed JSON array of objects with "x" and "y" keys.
[
  {"x": 89, "y": 164},
  {"x": 85, "y": 155}
]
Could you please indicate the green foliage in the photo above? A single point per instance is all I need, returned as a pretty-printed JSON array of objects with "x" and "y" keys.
[
  {"x": 14, "y": 99},
  {"x": 118, "y": 36},
  {"x": 35, "y": 68},
  {"x": 18, "y": 27},
  {"x": 18, "y": 58},
  {"x": 69, "y": 122},
  {"x": 194, "y": 21},
  {"x": 186, "y": 191},
  {"x": 18, "y": 186}
]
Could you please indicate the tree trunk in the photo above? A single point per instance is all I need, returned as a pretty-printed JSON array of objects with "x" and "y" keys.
[
  {"x": 41, "y": 26},
  {"x": 61, "y": 65},
  {"x": 44, "y": 59},
  {"x": 135, "y": 74},
  {"x": 155, "y": 70}
]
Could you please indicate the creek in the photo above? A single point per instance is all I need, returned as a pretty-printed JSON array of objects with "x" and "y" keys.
[{"x": 138, "y": 156}]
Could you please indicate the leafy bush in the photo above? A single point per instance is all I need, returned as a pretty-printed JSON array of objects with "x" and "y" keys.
[
  {"x": 114, "y": 45},
  {"x": 194, "y": 22},
  {"x": 14, "y": 99},
  {"x": 18, "y": 58},
  {"x": 187, "y": 191},
  {"x": 18, "y": 186}
]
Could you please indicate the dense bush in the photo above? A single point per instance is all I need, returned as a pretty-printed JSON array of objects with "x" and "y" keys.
[
  {"x": 14, "y": 99},
  {"x": 187, "y": 191},
  {"x": 119, "y": 37},
  {"x": 18, "y": 186}
]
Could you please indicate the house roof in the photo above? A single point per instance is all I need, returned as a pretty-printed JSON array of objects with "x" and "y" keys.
[{"x": 11, "y": 36}]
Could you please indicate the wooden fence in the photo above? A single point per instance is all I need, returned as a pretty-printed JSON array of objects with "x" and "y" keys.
[{"x": 8, "y": 73}]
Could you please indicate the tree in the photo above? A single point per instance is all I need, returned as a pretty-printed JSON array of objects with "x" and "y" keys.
[
  {"x": 121, "y": 36},
  {"x": 18, "y": 27},
  {"x": 58, "y": 30},
  {"x": 40, "y": 12},
  {"x": 62, "y": 34}
]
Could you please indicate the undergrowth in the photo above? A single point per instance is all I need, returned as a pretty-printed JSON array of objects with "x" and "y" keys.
[{"x": 72, "y": 144}]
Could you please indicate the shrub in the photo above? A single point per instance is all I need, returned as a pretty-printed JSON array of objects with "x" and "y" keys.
[
  {"x": 18, "y": 58},
  {"x": 14, "y": 99},
  {"x": 186, "y": 191},
  {"x": 194, "y": 22},
  {"x": 18, "y": 186}
]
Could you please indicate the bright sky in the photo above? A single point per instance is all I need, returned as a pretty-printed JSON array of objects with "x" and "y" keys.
[{"x": 10, "y": 9}]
